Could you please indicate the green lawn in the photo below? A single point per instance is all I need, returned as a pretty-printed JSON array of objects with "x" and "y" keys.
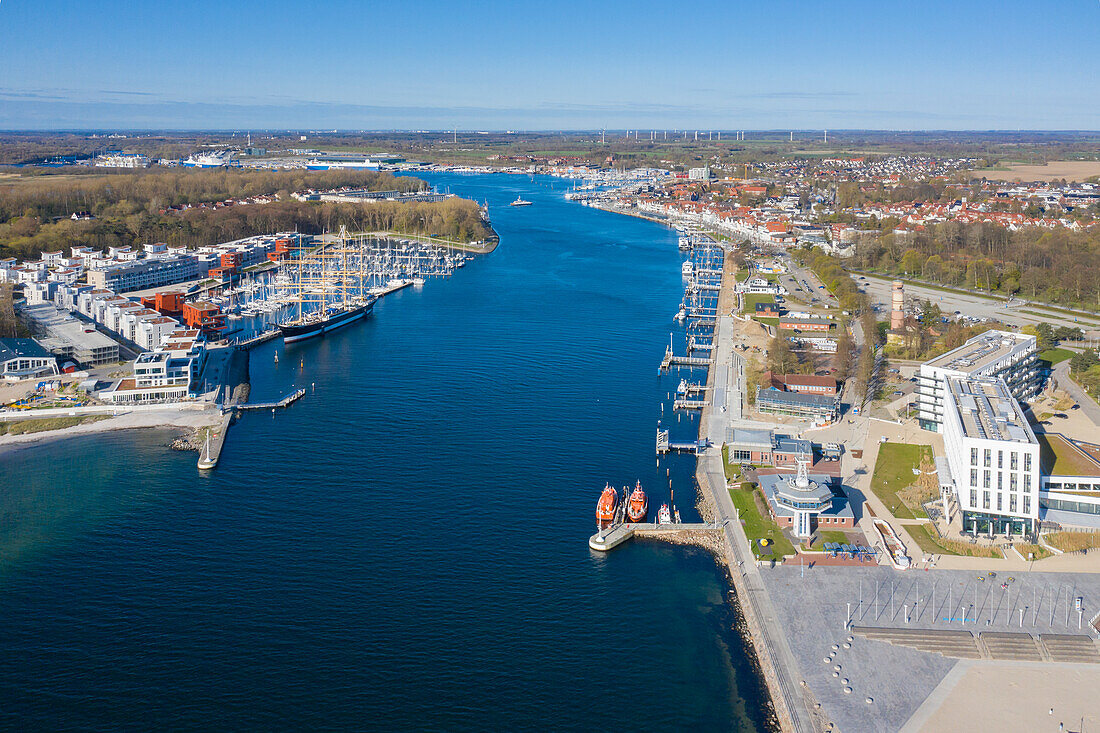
[
  {"x": 931, "y": 543},
  {"x": 41, "y": 425},
  {"x": 753, "y": 298},
  {"x": 1055, "y": 356},
  {"x": 758, "y": 525},
  {"x": 1058, "y": 456},
  {"x": 732, "y": 472},
  {"x": 767, "y": 321},
  {"x": 828, "y": 535},
  {"x": 894, "y": 472},
  {"x": 742, "y": 275}
]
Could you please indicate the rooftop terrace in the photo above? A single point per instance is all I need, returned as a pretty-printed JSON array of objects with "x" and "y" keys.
[{"x": 980, "y": 352}]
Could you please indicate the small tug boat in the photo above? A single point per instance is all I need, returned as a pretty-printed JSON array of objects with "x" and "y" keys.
[
  {"x": 607, "y": 508},
  {"x": 637, "y": 506},
  {"x": 664, "y": 516}
]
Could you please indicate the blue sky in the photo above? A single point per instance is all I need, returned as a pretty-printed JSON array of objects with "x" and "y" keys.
[{"x": 770, "y": 64}]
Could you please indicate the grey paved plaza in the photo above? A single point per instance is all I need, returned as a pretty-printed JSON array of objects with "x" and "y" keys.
[{"x": 813, "y": 606}]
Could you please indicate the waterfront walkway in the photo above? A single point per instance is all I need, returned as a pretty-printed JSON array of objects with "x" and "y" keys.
[{"x": 791, "y": 701}]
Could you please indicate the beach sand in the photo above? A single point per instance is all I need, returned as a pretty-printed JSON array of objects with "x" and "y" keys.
[
  {"x": 1011, "y": 696},
  {"x": 172, "y": 418}
]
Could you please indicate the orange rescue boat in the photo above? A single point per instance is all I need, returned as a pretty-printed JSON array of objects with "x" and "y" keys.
[
  {"x": 607, "y": 507},
  {"x": 638, "y": 505}
]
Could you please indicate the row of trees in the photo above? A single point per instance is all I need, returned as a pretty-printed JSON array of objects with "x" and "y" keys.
[
  {"x": 40, "y": 199},
  {"x": 132, "y": 209},
  {"x": 1056, "y": 265},
  {"x": 9, "y": 324}
]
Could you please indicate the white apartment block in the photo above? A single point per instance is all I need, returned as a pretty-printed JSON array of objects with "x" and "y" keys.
[
  {"x": 993, "y": 456},
  {"x": 138, "y": 274},
  {"x": 1011, "y": 356}
]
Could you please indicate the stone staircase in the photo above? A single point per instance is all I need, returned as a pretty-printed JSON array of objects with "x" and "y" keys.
[
  {"x": 1070, "y": 648},
  {"x": 1009, "y": 646},
  {"x": 949, "y": 643},
  {"x": 994, "y": 645}
]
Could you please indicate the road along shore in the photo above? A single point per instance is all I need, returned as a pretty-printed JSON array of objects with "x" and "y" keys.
[{"x": 793, "y": 705}]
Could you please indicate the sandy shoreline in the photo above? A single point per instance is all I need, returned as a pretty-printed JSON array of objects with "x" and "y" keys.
[{"x": 179, "y": 419}]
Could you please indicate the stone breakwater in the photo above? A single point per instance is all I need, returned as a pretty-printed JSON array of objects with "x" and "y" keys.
[{"x": 191, "y": 441}]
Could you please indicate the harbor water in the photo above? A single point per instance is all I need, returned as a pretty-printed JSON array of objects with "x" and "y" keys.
[{"x": 406, "y": 546}]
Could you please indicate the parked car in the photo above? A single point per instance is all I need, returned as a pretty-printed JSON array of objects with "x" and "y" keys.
[{"x": 1075, "y": 407}]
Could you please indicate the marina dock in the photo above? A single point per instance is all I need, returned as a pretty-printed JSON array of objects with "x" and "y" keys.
[
  {"x": 670, "y": 360},
  {"x": 664, "y": 445},
  {"x": 258, "y": 339},
  {"x": 284, "y": 402}
]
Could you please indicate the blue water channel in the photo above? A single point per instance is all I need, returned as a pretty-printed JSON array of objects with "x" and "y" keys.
[{"x": 406, "y": 547}]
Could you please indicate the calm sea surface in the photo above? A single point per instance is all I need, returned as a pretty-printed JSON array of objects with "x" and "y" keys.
[{"x": 406, "y": 547}]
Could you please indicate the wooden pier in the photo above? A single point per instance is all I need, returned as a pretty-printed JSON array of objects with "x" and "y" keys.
[
  {"x": 292, "y": 397},
  {"x": 687, "y": 388},
  {"x": 670, "y": 360},
  {"x": 696, "y": 345},
  {"x": 686, "y": 404},
  {"x": 258, "y": 339}
]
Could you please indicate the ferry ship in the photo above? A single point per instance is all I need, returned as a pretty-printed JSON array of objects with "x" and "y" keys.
[
  {"x": 520, "y": 201},
  {"x": 326, "y": 165},
  {"x": 637, "y": 506},
  {"x": 607, "y": 508},
  {"x": 209, "y": 160},
  {"x": 322, "y": 322}
]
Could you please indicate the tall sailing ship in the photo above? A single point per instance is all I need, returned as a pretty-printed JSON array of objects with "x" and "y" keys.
[{"x": 331, "y": 291}]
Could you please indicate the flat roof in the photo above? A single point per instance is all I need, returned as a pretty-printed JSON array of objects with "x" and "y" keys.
[
  {"x": 773, "y": 395},
  {"x": 988, "y": 411},
  {"x": 1061, "y": 456},
  {"x": 980, "y": 351},
  {"x": 63, "y": 329},
  {"x": 752, "y": 437},
  {"x": 27, "y": 348}
]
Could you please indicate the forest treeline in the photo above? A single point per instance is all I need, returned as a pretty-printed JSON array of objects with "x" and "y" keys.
[
  {"x": 455, "y": 218},
  {"x": 1056, "y": 265},
  {"x": 131, "y": 209},
  {"x": 125, "y": 193}
]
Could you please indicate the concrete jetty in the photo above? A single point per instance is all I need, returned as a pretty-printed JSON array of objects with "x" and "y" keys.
[
  {"x": 612, "y": 537},
  {"x": 215, "y": 441}
]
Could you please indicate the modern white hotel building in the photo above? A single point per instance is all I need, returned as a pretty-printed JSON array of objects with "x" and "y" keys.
[
  {"x": 993, "y": 457},
  {"x": 1010, "y": 356}
]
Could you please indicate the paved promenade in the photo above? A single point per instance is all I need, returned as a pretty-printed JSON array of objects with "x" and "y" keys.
[{"x": 777, "y": 660}]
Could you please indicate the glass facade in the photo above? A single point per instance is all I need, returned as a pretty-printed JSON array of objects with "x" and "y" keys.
[{"x": 981, "y": 524}]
